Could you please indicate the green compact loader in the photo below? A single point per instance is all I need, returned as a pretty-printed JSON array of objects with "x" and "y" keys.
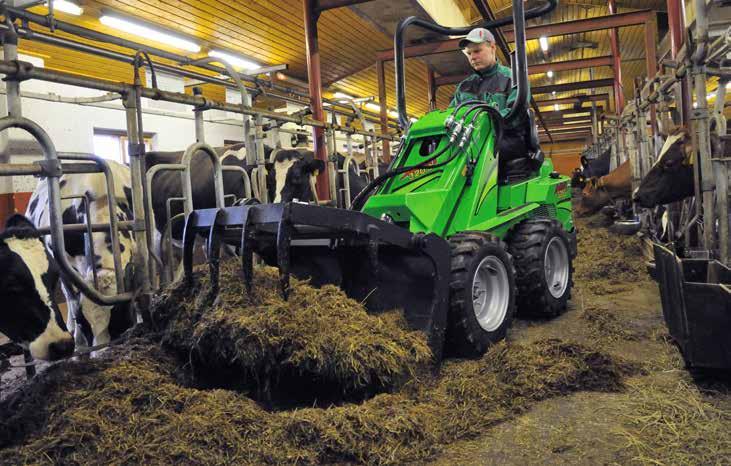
[{"x": 450, "y": 233}]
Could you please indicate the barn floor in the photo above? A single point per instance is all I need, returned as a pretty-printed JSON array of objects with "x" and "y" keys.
[
  {"x": 662, "y": 415},
  {"x": 665, "y": 416}
]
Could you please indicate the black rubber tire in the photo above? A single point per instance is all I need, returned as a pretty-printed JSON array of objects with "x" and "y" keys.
[
  {"x": 465, "y": 336},
  {"x": 527, "y": 244}
]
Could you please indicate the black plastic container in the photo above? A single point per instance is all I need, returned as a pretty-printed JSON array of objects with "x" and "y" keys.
[{"x": 696, "y": 304}]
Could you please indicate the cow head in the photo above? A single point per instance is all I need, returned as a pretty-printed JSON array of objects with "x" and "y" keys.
[
  {"x": 593, "y": 197},
  {"x": 671, "y": 178},
  {"x": 578, "y": 180},
  {"x": 30, "y": 316},
  {"x": 291, "y": 173}
]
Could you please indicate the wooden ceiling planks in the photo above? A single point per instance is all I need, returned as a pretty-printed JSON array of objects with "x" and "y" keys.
[{"x": 272, "y": 32}]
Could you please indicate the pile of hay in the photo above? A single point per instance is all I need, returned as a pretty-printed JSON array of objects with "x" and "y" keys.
[
  {"x": 607, "y": 324},
  {"x": 318, "y": 346},
  {"x": 677, "y": 425},
  {"x": 129, "y": 408},
  {"x": 608, "y": 259}
]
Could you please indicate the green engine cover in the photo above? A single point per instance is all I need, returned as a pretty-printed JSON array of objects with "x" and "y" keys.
[{"x": 446, "y": 201}]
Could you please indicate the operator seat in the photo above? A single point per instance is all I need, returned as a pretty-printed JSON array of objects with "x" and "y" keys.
[{"x": 522, "y": 168}]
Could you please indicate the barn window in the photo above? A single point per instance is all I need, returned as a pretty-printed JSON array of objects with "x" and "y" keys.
[{"x": 112, "y": 144}]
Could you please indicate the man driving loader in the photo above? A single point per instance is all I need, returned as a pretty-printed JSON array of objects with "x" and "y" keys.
[{"x": 492, "y": 82}]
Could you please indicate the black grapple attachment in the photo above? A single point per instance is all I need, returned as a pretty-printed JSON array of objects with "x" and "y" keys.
[{"x": 377, "y": 263}]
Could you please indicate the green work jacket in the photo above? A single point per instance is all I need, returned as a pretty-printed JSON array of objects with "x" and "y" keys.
[{"x": 493, "y": 85}]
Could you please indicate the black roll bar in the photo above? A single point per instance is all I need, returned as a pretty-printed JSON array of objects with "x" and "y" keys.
[{"x": 518, "y": 18}]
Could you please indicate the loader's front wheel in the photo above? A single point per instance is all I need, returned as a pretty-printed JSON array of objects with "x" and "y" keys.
[
  {"x": 481, "y": 293},
  {"x": 542, "y": 252}
]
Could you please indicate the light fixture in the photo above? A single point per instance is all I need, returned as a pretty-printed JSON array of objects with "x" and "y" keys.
[
  {"x": 553, "y": 92},
  {"x": 728, "y": 86},
  {"x": 67, "y": 7},
  {"x": 373, "y": 107},
  {"x": 393, "y": 113},
  {"x": 549, "y": 73},
  {"x": 543, "y": 40},
  {"x": 555, "y": 107},
  {"x": 234, "y": 60},
  {"x": 342, "y": 95},
  {"x": 149, "y": 33}
]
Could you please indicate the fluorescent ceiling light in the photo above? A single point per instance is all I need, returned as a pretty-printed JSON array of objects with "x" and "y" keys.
[
  {"x": 234, "y": 60},
  {"x": 67, "y": 7},
  {"x": 149, "y": 33},
  {"x": 373, "y": 107},
  {"x": 393, "y": 113},
  {"x": 38, "y": 62},
  {"x": 342, "y": 95},
  {"x": 543, "y": 40},
  {"x": 553, "y": 92},
  {"x": 555, "y": 107},
  {"x": 549, "y": 73},
  {"x": 728, "y": 85}
]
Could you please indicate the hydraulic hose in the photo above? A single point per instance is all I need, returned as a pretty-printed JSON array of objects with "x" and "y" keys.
[
  {"x": 399, "y": 57},
  {"x": 360, "y": 199}
]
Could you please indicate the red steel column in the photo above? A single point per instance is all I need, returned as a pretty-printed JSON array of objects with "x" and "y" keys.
[
  {"x": 676, "y": 23},
  {"x": 431, "y": 88},
  {"x": 651, "y": 59},
  {"x": 384, "y": 109},
  {"x": 315, "y": 80},
  {"x": 614, "y": 40}
]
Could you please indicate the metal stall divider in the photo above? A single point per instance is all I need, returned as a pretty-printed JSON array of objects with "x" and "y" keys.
[{"x": 146, "y": 259}]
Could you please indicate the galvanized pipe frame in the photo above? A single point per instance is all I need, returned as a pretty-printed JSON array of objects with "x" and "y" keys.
[
  {"x": 701, "y": 135},
  {"x": 53, "y": 172},
  {"x": 45, "y": 21},
  {"x": 13, "y": 69}
]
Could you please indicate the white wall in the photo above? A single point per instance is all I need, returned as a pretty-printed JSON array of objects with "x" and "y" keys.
[{"x": 71, "y": 126}]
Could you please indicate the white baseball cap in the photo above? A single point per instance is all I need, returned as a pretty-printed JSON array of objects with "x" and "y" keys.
[{"x": 477, "y": 36}]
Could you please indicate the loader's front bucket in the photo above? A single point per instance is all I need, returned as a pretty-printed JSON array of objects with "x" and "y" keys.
[{"x": 380, "y": 264}]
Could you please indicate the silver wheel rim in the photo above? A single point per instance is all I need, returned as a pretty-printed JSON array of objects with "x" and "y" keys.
[
  {"x": 556, "y": 267},
  {"x": 490, "y": 293}
]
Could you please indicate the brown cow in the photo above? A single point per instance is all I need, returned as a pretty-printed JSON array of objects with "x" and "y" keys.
[
  {"x": 599, "y": 192},
  {"x": 671, "y": 177}
]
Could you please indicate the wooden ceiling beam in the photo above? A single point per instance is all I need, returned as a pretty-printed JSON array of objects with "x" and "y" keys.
[
  {"x": 541, "y": 68},
  {"x": 323, "y": 5},
  {"x": 573, "y": 100},
  {"x": 575, "y": 86},
  {"x": 534, "y": 32}
]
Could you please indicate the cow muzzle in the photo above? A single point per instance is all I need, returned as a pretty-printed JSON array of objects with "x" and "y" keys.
[{"x": 60, "y": 349}]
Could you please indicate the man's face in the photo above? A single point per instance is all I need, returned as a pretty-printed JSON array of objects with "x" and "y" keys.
[{"x": 481, "y": 56}]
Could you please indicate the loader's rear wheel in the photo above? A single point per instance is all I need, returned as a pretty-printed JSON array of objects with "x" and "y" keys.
[
  {"x": 541, "y": 250},
  {"x": 481, "y": 293}
]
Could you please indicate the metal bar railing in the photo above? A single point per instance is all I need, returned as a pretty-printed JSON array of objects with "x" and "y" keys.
[{"x": 53, "y": 172}]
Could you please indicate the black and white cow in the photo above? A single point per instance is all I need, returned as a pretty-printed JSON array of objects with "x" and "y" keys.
[
  {"x": 288, "y": 178},
  {"x": 91, "y": 324},
  {"x": 29, "y": 315},
  {"x": 671, "y": 177}
]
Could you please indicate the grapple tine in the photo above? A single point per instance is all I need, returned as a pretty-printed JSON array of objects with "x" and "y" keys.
[
  {"x": 247, "y": 254},
  {"x": 284, "y": 237},
  {"x": 373, "y": 239},
  {"x": 213, "y": 248},
  {"x": 188, "y": 243}
]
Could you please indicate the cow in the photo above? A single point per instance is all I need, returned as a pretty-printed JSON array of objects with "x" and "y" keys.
[
  {"x": 593, "y": 168},
  {"x": 30, "y": 316},
  {"x": 598, "y": 167},
  {"x": 84, "y": 197},
  {"x": 599, "y": 192},
  {"x": 287, "y": 178},
  {"x": 671, "y": 177}
]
